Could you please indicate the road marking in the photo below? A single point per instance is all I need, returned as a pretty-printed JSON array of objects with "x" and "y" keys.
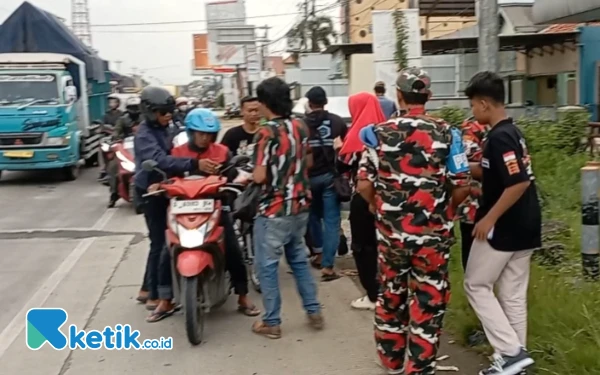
[
  {"x": 16, "y": 326},
  {"x": 104, "y": 219}
]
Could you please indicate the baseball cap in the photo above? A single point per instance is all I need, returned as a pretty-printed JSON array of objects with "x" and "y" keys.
[
  {"x": 316, "y": 95},
  {"x": 408, "y": 77},
  {"x": 380, "y": 84}
]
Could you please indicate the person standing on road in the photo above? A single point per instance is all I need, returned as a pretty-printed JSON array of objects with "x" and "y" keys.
[
  {"x": 364, "y": 110},
  {"x": 240, "y": 139},
  {"x": 473, "y": 134},
  {"x": 325, "y": 207},
  {"x": 387, "y": 106},
  {"x": 282, "y": 159},
  {"x": 152, "y": 143},
  {"x": 404, "y": 176},
  {"x": 507, "y": 229}
]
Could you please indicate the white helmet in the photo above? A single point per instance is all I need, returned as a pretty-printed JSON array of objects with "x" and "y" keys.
[
  {"x": 133, "y": 101},
  {"x": 181, "y": 100}
]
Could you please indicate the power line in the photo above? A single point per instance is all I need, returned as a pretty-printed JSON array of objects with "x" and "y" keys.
[{"x": 224, "y": 21}]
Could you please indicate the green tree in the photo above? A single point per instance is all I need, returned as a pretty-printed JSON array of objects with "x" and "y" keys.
[{"x": 313, "y": 32}]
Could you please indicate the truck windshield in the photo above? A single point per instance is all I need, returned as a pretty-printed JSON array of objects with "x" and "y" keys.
[{"x": 19, "y": 89}]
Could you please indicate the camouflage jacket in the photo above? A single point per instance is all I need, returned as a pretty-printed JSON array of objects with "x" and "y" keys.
[
  {"x": 282, "y": 146},
  {"x": 412, "y": 184},
  {"x": 474, "y": 135}
]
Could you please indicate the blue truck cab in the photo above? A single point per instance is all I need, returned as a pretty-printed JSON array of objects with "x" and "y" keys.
[{"x": 46, "y": 109}]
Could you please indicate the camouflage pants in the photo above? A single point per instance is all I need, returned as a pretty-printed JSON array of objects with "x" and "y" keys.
[{"x": 411, "y": 306}]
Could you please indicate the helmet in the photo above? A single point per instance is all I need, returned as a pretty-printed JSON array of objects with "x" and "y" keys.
[
  {"x": 202, "y": 120},
  {"x": 181, "y": 100},
  {"x": 133, "y": 101},
  {"x": 156, "y": 99},
  {"x": 114, "y": 97}
]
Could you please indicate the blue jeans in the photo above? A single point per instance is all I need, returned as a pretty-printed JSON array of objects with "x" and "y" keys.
[
  {"x": 273, "y": 237},
  {"x": 325, "y": 217}
]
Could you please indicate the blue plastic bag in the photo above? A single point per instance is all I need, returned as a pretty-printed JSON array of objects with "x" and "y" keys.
[{"x": 457, "y": 161}]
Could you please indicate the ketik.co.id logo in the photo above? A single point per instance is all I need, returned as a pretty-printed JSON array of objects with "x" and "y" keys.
[{"x": 43, "y": 326}]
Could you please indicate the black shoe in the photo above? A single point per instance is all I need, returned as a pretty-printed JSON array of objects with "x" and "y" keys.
[
  {"x": 505, "y": 365},
  {"x": 102, "y": 176},
  {"x": 113, "y": 201},
  {"x": 343, "y": 248}
]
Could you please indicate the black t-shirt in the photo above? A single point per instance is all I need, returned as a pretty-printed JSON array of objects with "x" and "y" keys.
[
  {"x": 239, "y": 141},
  {"x": 505, "y": 163},
  {"x": 324, "y": 127}
]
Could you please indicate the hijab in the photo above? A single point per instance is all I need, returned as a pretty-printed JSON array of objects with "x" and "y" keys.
[{"x": 365, "y": 110}]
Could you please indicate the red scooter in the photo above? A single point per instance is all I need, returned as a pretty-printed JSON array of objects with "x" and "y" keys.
[
  {"x": 124, "y": 152},
  {"x": 196, "y": 241}
]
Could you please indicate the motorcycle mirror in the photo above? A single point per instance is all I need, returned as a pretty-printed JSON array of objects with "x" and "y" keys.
[{"x": 149, "y": 165}]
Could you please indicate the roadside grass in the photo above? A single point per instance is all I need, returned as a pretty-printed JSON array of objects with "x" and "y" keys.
[{"x": 564, "y": 310}]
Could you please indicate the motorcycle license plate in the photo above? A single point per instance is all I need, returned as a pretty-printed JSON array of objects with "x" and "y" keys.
[{"x": 193, "y": 206}]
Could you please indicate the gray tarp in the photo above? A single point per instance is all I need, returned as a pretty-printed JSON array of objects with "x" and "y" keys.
[{"x": 30, "y": 29}]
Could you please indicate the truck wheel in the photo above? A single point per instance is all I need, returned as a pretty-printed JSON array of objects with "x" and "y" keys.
[{"x": 71, "y": 173}]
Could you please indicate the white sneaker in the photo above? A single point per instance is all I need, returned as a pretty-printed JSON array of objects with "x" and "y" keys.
[{"x": 363, "y": 304}]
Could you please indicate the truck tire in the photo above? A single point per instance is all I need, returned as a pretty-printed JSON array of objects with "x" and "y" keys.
[{"x": 71, "y": 173}]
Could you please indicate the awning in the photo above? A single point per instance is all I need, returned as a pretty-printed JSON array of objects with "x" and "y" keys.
[
  {"x": 565, "y": 11},
  {"x": 447, "y": 8},
  {"x": 514, "y": 42}
]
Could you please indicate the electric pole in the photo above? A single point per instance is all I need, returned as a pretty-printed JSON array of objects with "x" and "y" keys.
[
  {"x": 313, "y": 36},
  {"x": 80, "y": 21},
  {"x": 264, "y": 47},
  {"x": 489, "y": 43}
]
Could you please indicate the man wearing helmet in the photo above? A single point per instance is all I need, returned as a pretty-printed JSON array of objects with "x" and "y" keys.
[
  {"x": 181, "y": 111},
  {"x": 111, "y": 116},
  {"x": 152, "y": 143},
  {"x": 124, "y": 128},
  {"x": 203, "y": 127}
]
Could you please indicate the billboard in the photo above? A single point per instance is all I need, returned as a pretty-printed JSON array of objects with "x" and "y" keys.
[
  {"x": 225, "y": 13},
  {"x": 201, "y": 60},
  {"x": 229, "y": 45}
]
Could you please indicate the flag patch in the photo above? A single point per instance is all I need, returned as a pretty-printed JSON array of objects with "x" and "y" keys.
[{"x": 509, "y": 156}]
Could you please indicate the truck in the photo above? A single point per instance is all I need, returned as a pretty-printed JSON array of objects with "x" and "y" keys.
[{"x": 51, "y": 97}]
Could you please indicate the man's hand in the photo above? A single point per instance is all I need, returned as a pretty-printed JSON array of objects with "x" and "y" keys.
[
  {"x": 208, "y": 166},
  {"x": 337, "y": 143},
  {"x": 483, "y": 228},
  {"x": 154, "y": 187}
]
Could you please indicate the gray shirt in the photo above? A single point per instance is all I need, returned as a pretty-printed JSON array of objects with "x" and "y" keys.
[{"x": 387, "y": 106}]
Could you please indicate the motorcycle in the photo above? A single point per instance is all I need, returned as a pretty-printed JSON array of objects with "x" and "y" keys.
[
  {"x": 124, "y": 152},
  {"x": 196, "y": 241},
  {"x": 232, "y": 111},
  {"x": 105, "y": 142}
]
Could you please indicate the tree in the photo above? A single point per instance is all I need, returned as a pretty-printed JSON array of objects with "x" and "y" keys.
[{"x": 313, "y": 32}]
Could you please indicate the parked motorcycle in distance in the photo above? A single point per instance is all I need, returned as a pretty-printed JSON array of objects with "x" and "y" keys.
[
  {"x": 232, "y": 111},
  {"x": 196, "y": 240}
]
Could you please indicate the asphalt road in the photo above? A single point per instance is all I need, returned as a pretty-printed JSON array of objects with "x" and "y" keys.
[{"x": 60, "y": 247}]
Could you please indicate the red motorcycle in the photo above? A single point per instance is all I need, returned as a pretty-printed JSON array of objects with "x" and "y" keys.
[
  {"x": 196, "y": 241},
  {"x": 124, "y": 152}
]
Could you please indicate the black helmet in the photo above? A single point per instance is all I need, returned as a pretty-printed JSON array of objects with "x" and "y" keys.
[{"x": 156, "y": 99}]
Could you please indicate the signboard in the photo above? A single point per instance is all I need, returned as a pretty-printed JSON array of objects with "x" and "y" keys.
[
  {"x": 201, "y": 60},
  {"x": 227, "y": 45},
  {"x": 225, "y": 13}
]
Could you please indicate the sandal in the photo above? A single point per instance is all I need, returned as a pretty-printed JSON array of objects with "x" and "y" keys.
[
  {"x": 326, "y": 277},
  {"x": 314, "y": 261},
  {"x": 141, "y": 299},
  {"x": 157, "y": 316},
  {"x": 272, "y": 332},
  {"x": 249, "y": 310}
]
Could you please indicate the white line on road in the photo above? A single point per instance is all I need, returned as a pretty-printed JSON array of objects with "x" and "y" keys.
[{"x": 14, "y": 328}]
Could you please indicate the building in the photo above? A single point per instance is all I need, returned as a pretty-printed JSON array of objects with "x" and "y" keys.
[{"x": 438, "y": 17}]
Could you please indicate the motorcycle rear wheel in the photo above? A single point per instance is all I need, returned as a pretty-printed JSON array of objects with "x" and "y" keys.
[{"x": 193, "y": 295}]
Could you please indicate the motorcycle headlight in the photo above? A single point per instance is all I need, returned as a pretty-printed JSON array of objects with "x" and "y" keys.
[
  {"x": 191, "y": 238},
  {"x": 127, "y": 164},
  {"x": 58, "y": 141}
]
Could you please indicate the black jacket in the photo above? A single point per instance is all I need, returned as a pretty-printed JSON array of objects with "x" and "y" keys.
[{"x": 324, "y": 127}]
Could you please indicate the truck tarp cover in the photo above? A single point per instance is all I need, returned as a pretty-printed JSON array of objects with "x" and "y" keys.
[{"x": 30, "y": 29}]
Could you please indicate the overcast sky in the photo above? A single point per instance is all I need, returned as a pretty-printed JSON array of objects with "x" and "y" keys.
[{"x": 165, "y": 51}]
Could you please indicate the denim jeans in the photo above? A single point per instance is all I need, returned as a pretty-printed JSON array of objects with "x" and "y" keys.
[
  {"x": 325, "y": 217},
  {"x": 272, "y": 238},
  {"x": 157, "y": 278}
]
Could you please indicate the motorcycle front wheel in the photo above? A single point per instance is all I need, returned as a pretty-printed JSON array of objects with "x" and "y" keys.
[{"x": 193, "y": 296}]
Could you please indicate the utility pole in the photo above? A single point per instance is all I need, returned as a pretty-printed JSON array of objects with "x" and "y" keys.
[
  {"x": 80, "y": 21},
  {"x": 264, "y": 47},
  {"x": 305, "y": 28},
  {"x": 313, "y": 36},
  {"x": 489, "y": 43}
]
